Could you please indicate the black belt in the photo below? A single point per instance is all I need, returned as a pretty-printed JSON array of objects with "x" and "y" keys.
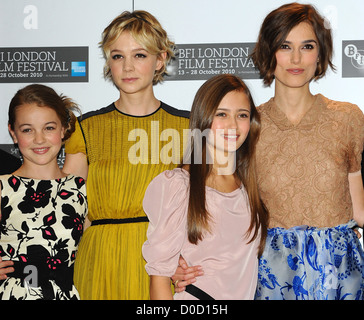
[
  {"x": 119, "y": 221},
  {"x": 198, "y": 293}
]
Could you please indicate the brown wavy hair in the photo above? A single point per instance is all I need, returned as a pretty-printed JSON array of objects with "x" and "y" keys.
[
  {"x": 274, "y": 31},
  {"x": 204, "y": 107},
  {"x": 44, "y": 96}
]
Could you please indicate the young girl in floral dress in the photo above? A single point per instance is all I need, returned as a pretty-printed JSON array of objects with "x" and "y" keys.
[{"x": 42, "y": 209}]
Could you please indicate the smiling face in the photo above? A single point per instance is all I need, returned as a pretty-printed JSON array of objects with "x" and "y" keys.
[
  {"x": 38, "y": 132},
  {"x": 132, "y": 67},
  {"x": 297, "y": 57},
  {"x": 231, "y": 123}
]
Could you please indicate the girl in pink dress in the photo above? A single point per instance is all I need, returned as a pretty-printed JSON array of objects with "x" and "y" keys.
[{"x": 209, "y": 210}]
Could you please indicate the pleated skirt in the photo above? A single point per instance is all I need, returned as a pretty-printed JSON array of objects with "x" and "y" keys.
[
  {"x": 109, "y": 263},
  {"x": 308, "y": 263}
]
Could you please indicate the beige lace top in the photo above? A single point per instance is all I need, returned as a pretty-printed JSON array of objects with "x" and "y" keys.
[{"x": 303, "y": 169}]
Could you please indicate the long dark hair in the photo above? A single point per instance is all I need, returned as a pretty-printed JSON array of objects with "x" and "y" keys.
[{"x": 203, "y": 110}]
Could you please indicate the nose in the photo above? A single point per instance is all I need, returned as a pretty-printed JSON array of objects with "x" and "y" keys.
[
  {"x": 296, "y": 56},
  {"x": 39, "y": 137},
  {"x": 233, "y": 124},
  {"x": 128, "y": 64}
]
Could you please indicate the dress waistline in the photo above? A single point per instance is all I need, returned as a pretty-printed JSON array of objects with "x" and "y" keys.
[{"x": 119, "y": 221}]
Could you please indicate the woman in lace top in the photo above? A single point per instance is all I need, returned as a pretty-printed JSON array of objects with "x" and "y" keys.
[{"x": 308, "y": 166}]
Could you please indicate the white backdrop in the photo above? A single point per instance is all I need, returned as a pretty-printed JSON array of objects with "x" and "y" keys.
[{"x": 79, "y": 23}]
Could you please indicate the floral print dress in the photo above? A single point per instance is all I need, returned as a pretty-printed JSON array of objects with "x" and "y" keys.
[
  {"x": 309, "y": 263},
  {"x": 40, "y": 228}
]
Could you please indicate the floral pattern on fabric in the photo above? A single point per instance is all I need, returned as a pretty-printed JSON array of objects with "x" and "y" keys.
[
  {"x": 306, "y": 263},
  {"x": 41, "y": 227}
]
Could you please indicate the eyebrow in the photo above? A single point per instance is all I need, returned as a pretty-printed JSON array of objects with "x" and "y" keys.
[
  {"x": 225, "y": 109},
  {"x": 133, "y": 50},
  {"x": 305, "y": 41},
  {"x": 29, "y": 124}
]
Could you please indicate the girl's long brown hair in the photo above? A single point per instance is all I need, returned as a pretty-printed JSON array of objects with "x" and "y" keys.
[{"x": 203, "y": 110}]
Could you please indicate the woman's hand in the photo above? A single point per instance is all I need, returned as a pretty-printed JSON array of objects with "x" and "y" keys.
[
  {"x": 5, "y": 267},
  {"x": 185, "y": 275}
]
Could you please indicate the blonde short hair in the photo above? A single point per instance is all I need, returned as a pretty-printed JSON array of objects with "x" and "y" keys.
[{"x": 146, "y": 30}]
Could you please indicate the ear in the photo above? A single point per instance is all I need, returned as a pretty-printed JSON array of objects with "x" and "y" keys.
[
  {"x": 161, "y": 58},
  {"x": 63, "y": 132},
  {"x": 12, "y": 133}
]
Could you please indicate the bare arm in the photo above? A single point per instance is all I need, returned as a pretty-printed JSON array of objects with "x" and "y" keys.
[
  {"x": 357, "y": 196},
  {"x": 76, "y": 164},
  {"x": 160, "y": 288}
]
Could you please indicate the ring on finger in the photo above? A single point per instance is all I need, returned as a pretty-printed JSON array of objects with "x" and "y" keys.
[{"x": 176, "y": 283}]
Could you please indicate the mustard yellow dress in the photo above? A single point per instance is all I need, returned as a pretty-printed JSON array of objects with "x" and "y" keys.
[{"x": 124, "y": 153}]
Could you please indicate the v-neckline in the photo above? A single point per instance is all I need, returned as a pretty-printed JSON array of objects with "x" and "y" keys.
[{"x": 283, "y": 123}]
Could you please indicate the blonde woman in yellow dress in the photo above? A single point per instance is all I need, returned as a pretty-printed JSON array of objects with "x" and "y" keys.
[{"x": 119, "y": 149}]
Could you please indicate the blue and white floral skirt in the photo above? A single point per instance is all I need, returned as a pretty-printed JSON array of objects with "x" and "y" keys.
[{"x": 308, "y": 263}]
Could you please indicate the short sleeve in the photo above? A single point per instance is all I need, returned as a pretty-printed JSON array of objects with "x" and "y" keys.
[
  {"x": 355, "y": 139},
  {"x": 76, "y": 143},
  {"x": 165, "y": 203}
]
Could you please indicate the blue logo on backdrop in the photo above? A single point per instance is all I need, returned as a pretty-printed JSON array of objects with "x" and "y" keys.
[
  {"x": 78, "y": 68},
  {"x": 43, "y": 64}
]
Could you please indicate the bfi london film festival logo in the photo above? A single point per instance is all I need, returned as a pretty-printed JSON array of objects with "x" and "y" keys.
[
  {"x": 202, "y": 61},
  {"x": 43, "y": 64},
  {"x": 353, "y": 59}
]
